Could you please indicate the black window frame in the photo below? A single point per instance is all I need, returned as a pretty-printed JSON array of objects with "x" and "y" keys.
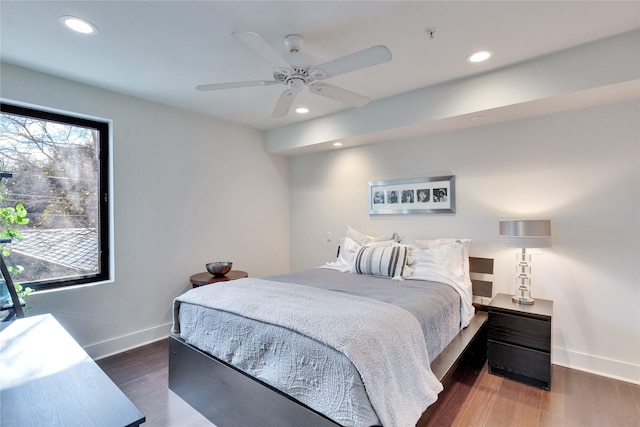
[{"x": 104, "y": 243}]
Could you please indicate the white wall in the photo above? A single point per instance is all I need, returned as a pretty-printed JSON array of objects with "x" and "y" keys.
[
  {"x": 580, "y": 168},
  {"x": 188, "y": 189}
]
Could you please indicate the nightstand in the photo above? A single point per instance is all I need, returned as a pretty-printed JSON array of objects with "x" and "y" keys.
[
  {"x": 519, "y": 340},
  {"x": 206, "y": 278}
]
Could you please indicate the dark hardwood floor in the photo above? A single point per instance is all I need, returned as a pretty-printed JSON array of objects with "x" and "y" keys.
[
  {"x": 473, "y": 398},
  {"x": 142, "y": 374}
]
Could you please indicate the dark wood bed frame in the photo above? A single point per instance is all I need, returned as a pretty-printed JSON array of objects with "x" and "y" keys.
[{"x": 229, "y": 397}]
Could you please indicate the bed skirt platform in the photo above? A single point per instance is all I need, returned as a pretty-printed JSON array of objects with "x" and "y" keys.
[
  {"x": 469, "y": 345},
  {"x": 199, "y": 378},
  {"x": 227, "y": 396}
]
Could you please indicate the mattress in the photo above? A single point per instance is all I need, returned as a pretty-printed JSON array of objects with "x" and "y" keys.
[{"x": 310, "y": 371}]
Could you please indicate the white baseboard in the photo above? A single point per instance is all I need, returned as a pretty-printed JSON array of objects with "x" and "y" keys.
[
  {"x": 127, "y": 342},
  {"x": 615, "y": 369}
]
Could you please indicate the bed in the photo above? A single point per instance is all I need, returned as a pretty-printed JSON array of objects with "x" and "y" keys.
[{"x": 239, "y": 361}]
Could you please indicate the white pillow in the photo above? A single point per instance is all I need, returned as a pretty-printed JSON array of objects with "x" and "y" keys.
[
  {"x": 363, "y": 239},
  {"x": 442, "y": 263},
  {"x": 352, "y": 242},
  {"x": 445, "y": 262},
  {"x": 385, "y": 261},
  {"x": 428, "y": 244},
  {"x": 348, "y": 250}
]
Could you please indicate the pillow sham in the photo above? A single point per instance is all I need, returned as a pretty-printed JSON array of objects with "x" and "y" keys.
[
  {"x": 363, "y": 239},
  {"x": 353, "y": 247},
  {"x": 384, "y": 261},
  {"x": 445, "y": 263},
  {"x": 429, "y": 244},
  {"x": 347, "y": 254},
  {"x": 440, "y": 263}
]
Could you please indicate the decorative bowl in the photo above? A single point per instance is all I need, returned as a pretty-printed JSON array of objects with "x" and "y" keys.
[{"x": 219, "y": 268}]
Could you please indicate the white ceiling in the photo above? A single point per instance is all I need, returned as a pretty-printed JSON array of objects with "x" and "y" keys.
[{"x": 160, "y": 50}]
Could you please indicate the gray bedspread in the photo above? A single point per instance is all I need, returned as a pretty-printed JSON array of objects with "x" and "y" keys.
[
  {"x": 310, "y": 371},
  {"x": 435, "y": 305}
]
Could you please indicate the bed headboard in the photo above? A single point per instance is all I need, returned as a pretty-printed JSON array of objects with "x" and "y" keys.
[{"x": 481, "y": 271}]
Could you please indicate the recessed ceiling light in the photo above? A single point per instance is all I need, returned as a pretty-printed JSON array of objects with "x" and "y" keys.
[
  {"x": 302, "y": 110},
  {"x": 479, "y": 56},
  {"x": 337, "y": 144},
  {"x": 78, "y": 25}
]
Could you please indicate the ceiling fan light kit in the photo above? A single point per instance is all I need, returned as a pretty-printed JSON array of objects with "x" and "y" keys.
[{"x": 294, "y": 70}]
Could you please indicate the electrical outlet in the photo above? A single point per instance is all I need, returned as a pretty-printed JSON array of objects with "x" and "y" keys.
[{"x": 329, "y": 237}]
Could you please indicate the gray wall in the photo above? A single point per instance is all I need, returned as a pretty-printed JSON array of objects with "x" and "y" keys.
[
  {"x": 188, "y": 189},
  {"x": 580, "y": 168}
]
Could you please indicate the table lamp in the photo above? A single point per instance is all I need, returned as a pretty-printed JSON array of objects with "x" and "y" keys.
[{"x": 525, "y": 233}]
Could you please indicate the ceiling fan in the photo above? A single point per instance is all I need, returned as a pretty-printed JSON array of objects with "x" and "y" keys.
[{"x": 295, "y": 70}]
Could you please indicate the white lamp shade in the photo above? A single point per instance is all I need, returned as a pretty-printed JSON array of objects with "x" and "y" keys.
[{"x": 526, "y": 233}]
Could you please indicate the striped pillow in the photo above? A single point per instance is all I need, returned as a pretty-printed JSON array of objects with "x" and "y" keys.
[{"x": 389, "y": 261}]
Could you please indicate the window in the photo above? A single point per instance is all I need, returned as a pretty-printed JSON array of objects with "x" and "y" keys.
[{"x": 59, "y": 167}]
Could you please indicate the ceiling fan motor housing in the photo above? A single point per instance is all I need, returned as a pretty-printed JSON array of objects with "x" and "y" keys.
[
  {"x": 293, "y": 42},
  {"x": 296, "y": 84}
]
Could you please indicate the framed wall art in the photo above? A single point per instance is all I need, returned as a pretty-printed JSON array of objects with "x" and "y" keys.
[{"x": 435, "y": 195}]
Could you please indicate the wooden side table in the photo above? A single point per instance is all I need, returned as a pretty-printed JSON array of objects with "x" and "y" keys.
[
  {"x": 519, "y": 340},
  {"x": 206, "y": 278}
]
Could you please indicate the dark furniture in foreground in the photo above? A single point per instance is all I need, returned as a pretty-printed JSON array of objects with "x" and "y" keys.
[
  {"x": 47, "y": 379},
  {"x": 519, "y": 340},
  {"x": 205, "y": 278},
  {"x": 229, "y": 397}
]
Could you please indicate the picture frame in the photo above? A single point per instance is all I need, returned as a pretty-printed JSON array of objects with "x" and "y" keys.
[{"x": 432, "y": 195}]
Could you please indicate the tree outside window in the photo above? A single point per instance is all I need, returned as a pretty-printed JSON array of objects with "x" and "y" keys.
[{"x": 59, "y": 166}]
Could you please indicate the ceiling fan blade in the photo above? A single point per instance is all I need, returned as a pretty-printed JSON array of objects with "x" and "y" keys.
[
  {"x": 284, "y": 103},
  {"x": 217, "y": 86},
  {"x": 256, "y": 43},
  {"x": 355, "y": 61},
  {"x": 339, "y": 94}
]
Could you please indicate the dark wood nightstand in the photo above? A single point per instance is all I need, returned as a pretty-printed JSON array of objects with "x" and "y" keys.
[
  {"x": 519, "y": 340},
  {"x": 206, "y": 278}
]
